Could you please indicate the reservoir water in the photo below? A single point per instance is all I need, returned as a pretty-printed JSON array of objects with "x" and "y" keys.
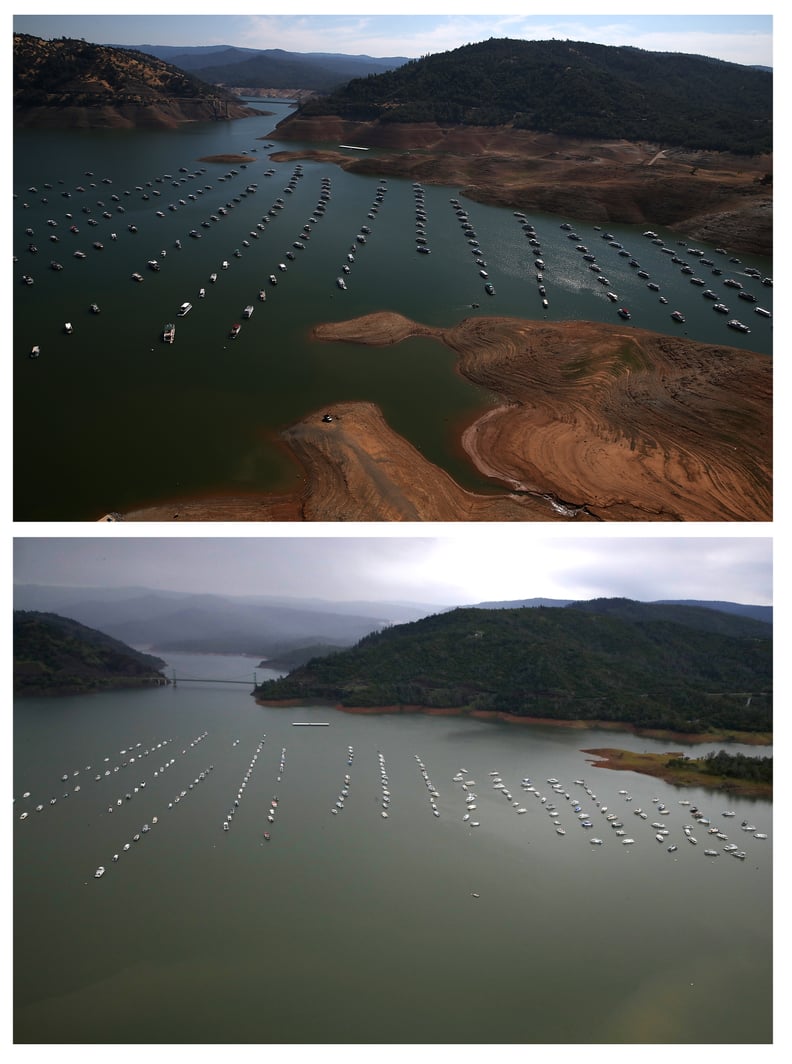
[
  {"x": 109, "y": 417},
  {"x": 348, "y": 926}
]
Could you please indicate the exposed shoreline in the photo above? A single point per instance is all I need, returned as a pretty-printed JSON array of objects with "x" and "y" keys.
[
  {"x": 593, "y": 422},
  {"x": 714, "y": 197}
]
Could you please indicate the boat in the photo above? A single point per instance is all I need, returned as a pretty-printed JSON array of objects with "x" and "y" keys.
[
  {"x": 341, "y": 282},
  {"x": 764, "y": 313},
  {"x": 262, "y": 295},
  {"x": 612, "y": 297},
  {"x": 247, "y": 312},
  {"x": 677, "y": 315},
  {"x": 153, "y": 265},
  {"x": 35, "y": 351},
  {"x": 738, "y": 326},
  {"x": 201, "y": 293},
  {"x": 137, "y": 277},
  {"x": 235, "y": 328},
  {"x": 99, "y": 872},
  {"x": 273, "y": 279},
  {"x": 624, "y": 313},
  {"x": 267, "y": 836},
  {"x": 169, "y": 333},
  {"x": 68, "y": 327},
  {"x": 94, "y": 308},
  {"x": 213, "y": 277},
  {"x": 185, "y": 308}
]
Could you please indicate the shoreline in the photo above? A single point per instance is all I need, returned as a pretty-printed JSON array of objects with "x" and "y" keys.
[
  {"x": 743, "y": 738},
  {"x": 590, "y": 422}
]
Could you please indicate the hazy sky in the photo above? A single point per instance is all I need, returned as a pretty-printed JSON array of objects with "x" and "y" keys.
[
  {"x": 469, "y": 566},
  {"x": 738, "y": 38}
]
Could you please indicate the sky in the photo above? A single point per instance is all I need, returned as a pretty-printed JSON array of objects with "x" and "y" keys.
[
  {"x": 739, "y": 38},
  {"x": 491, "y": 563}
]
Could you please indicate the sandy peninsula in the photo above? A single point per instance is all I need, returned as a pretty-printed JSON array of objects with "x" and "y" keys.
[{"x": 593, "y": 422}]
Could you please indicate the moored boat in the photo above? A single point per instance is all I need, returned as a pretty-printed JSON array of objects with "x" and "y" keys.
[
  {"x": 235, "y": 329},
  {"x": 169, "y": 333},
  {"x": 247, "y": 312},
  {"x": 185, "y": 308}
]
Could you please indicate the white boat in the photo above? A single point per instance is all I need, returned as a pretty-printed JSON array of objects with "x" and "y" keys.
[
  {"x": 247, "y": 312},
  {"x": 99, "y": 872},
  {"x": 213, "y": 277},
  {"x": 169, "y": 333},
  {"x": 35, "y": 351},
  {"x": 185, "y": 308},
  {"x": 341, "y": 282},
  {"x": 201, "y": 293},
  {"x": 68, "y": 327}
]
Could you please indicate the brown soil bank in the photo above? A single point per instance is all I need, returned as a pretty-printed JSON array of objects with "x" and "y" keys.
[
  {"x": 597, "y": 423},
  {"x": 708, "y": 196},
  {"x": 165, "y": 113}
]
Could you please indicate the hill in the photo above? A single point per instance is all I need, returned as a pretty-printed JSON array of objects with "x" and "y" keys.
[
  {"x": 57, "y": 655},
  {"x": 651, "y": 670},
  {"x": 72, "y": 84},
  {"x": 272, "y": 68},
  {"x": 572, "y": 89}
]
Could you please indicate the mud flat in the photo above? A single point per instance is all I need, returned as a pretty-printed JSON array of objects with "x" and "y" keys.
[{"x": 594, "y": 423}]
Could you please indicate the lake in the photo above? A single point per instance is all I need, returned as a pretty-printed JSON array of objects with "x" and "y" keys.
[
  {"x": 347, "y": 926},
  {"x": 109, "y": 418}
]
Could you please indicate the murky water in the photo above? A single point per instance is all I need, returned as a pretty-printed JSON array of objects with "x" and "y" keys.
[{"x": 347, "y": 926}]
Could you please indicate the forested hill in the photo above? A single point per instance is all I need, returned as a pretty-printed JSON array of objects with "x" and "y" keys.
[
  {"x": 573, "y": 89},
  {"x": 73, "y": 83},
  {"x": 566, "y": 664},
  {"x": 56, "y": 655}
]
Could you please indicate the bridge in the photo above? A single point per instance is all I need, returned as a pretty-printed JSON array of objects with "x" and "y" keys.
[{"x": 176, "y": 680}]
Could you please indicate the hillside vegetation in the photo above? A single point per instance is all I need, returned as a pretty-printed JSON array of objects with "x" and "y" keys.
[
  {"x": 571, "y": 89},
  {"x": 627, "y": 663},
  {"x": 68, "y": 82},
  {"x": 56, "y": 655}
]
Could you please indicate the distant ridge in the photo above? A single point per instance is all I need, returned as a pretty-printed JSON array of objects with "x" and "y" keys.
[
  {"x": 272, "y": 68},
  {"x": 758, "y": 613}
]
